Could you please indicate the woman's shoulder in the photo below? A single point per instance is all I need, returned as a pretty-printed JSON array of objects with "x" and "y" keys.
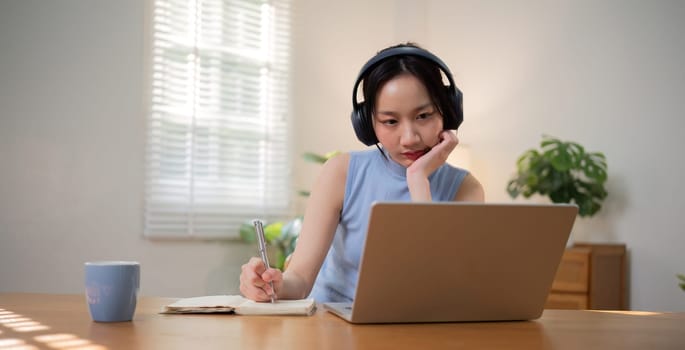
[
  {"x": 352, "y": 162},
  {"x": 352, "y": 158},
  {"x": 337, "y": 164},
  {"x": 365, "y": 154},
  {"x": 471, "y": 190}
]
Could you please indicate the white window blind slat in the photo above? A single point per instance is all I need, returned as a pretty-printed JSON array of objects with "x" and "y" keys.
[{"x": 217, "y": 138}]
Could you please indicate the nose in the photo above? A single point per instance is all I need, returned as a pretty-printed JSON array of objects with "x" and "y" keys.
[{"x": 409, "y": 135}]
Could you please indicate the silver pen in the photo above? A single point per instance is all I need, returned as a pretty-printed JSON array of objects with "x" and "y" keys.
[{"x": 259, "y": 228}]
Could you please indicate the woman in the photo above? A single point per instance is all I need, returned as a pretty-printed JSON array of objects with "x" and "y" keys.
[{"x": 408, "y": 113}]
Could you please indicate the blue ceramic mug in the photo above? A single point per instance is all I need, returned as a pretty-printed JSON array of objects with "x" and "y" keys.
[{"x": 112, "y": 290}]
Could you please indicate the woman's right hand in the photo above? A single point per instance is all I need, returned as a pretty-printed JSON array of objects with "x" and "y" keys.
[{"x": 255, "y": 278}]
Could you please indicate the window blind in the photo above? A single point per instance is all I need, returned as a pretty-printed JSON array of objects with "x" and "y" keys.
[{"x": 217, "y": 140}]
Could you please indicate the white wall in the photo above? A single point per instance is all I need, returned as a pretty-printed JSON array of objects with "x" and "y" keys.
[
  {"x": 604, "y": 73},
  {"x": 71, "y": 154}
]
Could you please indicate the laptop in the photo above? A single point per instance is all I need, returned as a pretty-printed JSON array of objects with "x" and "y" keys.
[{"x": 457, "y": 262}]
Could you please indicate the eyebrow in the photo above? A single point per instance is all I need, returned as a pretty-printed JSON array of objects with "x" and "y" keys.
[{"x": 393, "y": 113}]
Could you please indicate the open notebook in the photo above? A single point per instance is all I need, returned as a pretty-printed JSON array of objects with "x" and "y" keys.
[{"x": 238, "y": 305}]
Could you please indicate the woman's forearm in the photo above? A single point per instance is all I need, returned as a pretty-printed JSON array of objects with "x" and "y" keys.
[
  {"x": 419, "y": 187},
  {"x": 294, "y": 287}
]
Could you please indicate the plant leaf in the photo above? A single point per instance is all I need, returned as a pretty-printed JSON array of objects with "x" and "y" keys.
[
  {"x": 272, "y": 231},
  {"x": 247, "y": 232},
  {"x": 314, "y": 158},
  {"x": 594, "y": 166},
  {"x": 681, "y": 277},
  {"x": 562, "y": 171},
  {"x": 292, "y": 228},
  {"x": 513, "y": 189},
  {"x": 559, "y": 156},
  {"x": 523, "y": 162},
  {"x": 331, "y": 154}
]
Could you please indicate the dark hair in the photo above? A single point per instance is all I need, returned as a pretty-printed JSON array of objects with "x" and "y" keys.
[{"x": 426, "y": 71}]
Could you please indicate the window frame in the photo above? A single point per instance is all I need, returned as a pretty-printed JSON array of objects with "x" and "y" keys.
[{"x": 239, "y": 212}]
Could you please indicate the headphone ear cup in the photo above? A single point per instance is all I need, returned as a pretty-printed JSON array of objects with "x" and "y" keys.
[
  {"x": 453, "y": 120},
  {"x": 362, "y": 125}
]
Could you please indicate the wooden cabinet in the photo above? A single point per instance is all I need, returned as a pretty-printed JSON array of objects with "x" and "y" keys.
[{"x": 590, "y": 276}]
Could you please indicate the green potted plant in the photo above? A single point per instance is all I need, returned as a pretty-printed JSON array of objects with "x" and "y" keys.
[
  {"x": 564, "y": 172},
  {"x": 281, "y": 236},
  {"x": 681, "y": 281}
]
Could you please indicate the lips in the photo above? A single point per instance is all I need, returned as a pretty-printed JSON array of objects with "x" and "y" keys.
[{"x": 414, "y": 155}]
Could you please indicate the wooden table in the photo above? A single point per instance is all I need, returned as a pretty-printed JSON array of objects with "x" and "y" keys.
[{"x": 46, "y": 321}]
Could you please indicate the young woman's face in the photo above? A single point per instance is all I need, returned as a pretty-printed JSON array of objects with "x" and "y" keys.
[{"x": 405, "y": 120}]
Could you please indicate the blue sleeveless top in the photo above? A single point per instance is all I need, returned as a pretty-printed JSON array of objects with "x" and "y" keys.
[{"x": 370, "y": 177}]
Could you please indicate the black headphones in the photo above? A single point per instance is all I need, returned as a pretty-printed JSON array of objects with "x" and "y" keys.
[{"x": 362, "y": 121}]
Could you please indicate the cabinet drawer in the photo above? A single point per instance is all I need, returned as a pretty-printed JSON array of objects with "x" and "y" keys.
[
  {"x": 573, "y": 272},
  {"x": 569, "y": 301}
]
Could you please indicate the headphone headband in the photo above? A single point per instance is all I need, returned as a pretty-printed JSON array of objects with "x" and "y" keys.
[{"x": 400, "y": 51}]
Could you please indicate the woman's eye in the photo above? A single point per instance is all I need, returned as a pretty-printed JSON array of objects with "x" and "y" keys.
[
  {"x": 389, "y": 122},
  {"x": 425, "y": 115}
]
